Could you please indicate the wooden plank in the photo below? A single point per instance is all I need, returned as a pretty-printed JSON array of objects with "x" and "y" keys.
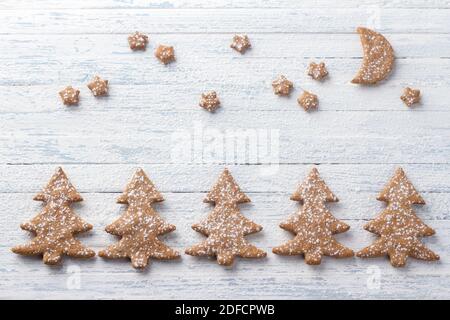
[
  {"x": 141, "y": 123},
  {"x": 157, "y": 148},
  {"x": 59, "y": 48},
  {"x": 248, "y": 280},
  {"x": 176, "y": 4},
  {"x": 251, "y": 97},
  {"x": 218, "y": 73},
  {"x": 280, "y": 277},
  {"x": 199, "y": 178},
  {"x": 311, "y": 20}
]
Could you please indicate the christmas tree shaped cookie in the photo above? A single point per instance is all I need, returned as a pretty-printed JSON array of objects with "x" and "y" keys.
[
  {"x": 398, "y": 226},
  {"x": 314, "y": 225},
  {"x": 225, "y": 226},
  {"x": 140, "y": 226},
  {"x": 55, "y": 226}
]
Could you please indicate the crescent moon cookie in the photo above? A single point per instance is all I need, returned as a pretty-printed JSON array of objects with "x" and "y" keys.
[{"x": 378, "y": 60}]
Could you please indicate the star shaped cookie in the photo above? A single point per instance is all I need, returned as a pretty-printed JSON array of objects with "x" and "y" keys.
[
  {"x": 308, "y": 100},
  {"x": 410, "y": 96},
  {"x": 241, "y": 43},
  {"x": 98, "y": 86},
  {"x": 137, "y": 41},
  {"x": 209, "y": 101},
  {"x": 70, "y": 96},
  {"x": 165, "y": 54},
  {"x": 317, "y": 71},
  {"x": 282, "y": 86}
]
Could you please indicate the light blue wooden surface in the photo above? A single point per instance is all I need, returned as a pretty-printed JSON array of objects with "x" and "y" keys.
[{"x": 357, "y": 138}]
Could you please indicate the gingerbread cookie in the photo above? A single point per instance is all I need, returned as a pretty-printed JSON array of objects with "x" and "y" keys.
[
  {"x": 55, "y": 226},
  {"x": 282, "y": 86},
  {"x": 378, "y": 60},
  {"x": 98, "y": 86},
  {"x": 209, "y": 101},
  {"x": 314, "y": 225},
  {"x": 398, "y": 226},
  {"x": 140, "y": 226},
  {"x": 410, "y": 96},
  {"x": 317, "y": 71},
  {"x": 308, "y": 100},
  {"x": 165, "y": 54},
  {"x": 225, "y": 226},
  {"x": 70, "y": 96},
  {"x": 241, "y": 43},
  {"x": 137, "y": 41}
]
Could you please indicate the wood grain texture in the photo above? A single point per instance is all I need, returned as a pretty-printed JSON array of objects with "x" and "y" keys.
[
  {"x": 177, "y": 4},
  {"x": 310, "y": 20},
  {"x": 357, "y": 138}
]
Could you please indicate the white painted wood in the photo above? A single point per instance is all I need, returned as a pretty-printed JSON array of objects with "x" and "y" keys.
[
  {"x": 194, "y": 178},
  {"x": 185, "y": 98},
  {"x": 144, "y": 122},
  {"x": 357, "y": 138},
  {"x": 300, "y": 46},
  {"x": 116, "y": 4},
  {"x": 233, "y": 72},
  {"x": 403, "y": 137},
  {"x": 298, "y": 149},
  {"x": 310, "y": 20}
]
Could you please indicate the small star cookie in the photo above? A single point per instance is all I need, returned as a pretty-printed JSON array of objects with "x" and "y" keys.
[
  {"x": 410, "y": 96},
  {"x": 209, "y": 101},
  {"x": 98, "y": 86},
  {"x": 308, "y": 100},
  {"x": 282, "y": 86},
  {"x": 137, "y": 41},
  {"x": 70, "y": 96},
  {"x": 317, "y": 71},
  {"x": 241, "y": 43},
  {"x": 165, "y": 54}
]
